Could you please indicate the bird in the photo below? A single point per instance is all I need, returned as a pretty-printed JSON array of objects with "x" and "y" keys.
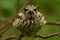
[{"x": 29, "y": 21}]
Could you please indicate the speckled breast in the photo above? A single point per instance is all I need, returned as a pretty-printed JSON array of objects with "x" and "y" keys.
[{"x": 29, "y": 26}]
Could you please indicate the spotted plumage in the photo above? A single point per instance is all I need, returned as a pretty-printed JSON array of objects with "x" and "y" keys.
[{"x": 29, "y": 21}]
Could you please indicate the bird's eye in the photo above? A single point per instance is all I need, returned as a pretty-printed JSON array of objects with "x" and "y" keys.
[
  {"x": 35, "y": 9},
  {"x": 25, "y": 10}
]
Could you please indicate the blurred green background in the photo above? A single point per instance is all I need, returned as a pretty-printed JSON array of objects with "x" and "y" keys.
[{"x": 49, "y": 8}]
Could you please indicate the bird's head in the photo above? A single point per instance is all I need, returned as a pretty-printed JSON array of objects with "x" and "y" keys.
[{"x": 30, "y": 10}]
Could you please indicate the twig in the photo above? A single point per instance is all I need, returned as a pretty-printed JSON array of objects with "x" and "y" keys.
[
  {"x": 4, "y": 26},
  {"x": 39, "y": 36},
  {"x": 48, "y": 36},
  {"x": 9, "y": 38},
  {"x": 53, "y": 23},
  {"x": 13, "y": 37},
  {"x": 4, "y": 30}
]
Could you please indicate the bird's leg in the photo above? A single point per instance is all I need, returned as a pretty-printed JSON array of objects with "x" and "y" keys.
[{"x": 48, "y": 36}]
